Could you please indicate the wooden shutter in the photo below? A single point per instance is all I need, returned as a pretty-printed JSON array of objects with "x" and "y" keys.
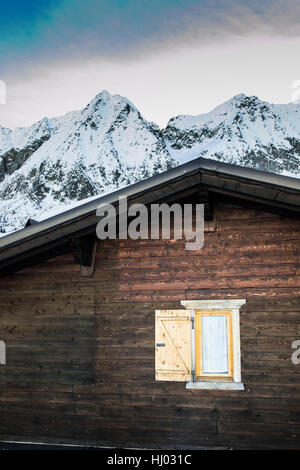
[{"x": 173, "y": 345}]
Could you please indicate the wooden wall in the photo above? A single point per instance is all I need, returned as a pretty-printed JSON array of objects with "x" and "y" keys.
[{"x": 80, "y": 351}]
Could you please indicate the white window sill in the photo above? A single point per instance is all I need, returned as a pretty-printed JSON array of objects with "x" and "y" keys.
[{"x": 215, "y": 385}]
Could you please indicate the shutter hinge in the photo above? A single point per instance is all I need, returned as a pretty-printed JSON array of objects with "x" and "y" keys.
[{"x": 193, "y": 323}]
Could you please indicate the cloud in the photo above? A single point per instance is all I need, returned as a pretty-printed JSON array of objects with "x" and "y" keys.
[
  {"x": 167, "y": 56},
  {"x": 180, "y": 81},
  {"x": 51, "y": 30}
]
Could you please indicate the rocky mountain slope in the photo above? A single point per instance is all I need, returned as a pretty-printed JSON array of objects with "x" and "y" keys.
[{"x": 60, "y": 161}]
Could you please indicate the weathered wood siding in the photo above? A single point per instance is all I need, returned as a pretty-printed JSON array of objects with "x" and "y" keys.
[{"x": 80, "y": 352}]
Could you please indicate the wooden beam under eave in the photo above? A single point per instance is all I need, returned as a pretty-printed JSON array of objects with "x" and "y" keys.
[
  {"x": 84, "y": 253},
  {"x": 205, "y": 197},
  {"x": 88, "y": 271}
]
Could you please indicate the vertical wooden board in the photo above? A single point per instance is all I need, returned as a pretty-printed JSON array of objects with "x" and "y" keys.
[{"x": 173, "y": 345}]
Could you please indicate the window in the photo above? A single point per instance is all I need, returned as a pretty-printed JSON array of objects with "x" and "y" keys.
[
  {"x": 200, "y": 345},
  {"x": 213, "y": 338}
]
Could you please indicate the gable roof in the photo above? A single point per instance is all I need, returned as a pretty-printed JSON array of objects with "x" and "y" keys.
[{"x": 244, "y": 186}]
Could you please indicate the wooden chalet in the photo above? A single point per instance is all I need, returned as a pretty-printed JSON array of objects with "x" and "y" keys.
[{"x": 144, "y": 344}]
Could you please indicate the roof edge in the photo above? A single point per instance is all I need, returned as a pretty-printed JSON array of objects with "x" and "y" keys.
[{"x": 199, "y": 164}]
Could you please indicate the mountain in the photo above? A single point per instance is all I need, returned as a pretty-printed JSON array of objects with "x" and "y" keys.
[
  {"x": 105, "y": 146},
  {"x": 60, "y": 161},
  {"x": 244, "y": 131}
]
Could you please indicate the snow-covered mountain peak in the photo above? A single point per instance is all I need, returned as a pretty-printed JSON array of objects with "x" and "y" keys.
[
  {"x": 244, "y": 130},
  {"x": 108, "y": 144},
  {"x": 57, "y": 161},
  {"x": 106, "y": 104}
]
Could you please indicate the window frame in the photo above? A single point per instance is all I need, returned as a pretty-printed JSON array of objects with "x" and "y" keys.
[
  {"x": 232, "y": 307},
  {"x": 199, "y": 374}
]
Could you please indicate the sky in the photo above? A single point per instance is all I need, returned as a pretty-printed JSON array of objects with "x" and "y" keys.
[{"x": 168, "y": 57}]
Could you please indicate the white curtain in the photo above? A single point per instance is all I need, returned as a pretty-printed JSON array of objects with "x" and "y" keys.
[{"x": 214, "y": 344}]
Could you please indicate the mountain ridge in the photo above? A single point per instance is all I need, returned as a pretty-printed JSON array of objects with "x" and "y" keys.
[{"x": 108, "y": 145}]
